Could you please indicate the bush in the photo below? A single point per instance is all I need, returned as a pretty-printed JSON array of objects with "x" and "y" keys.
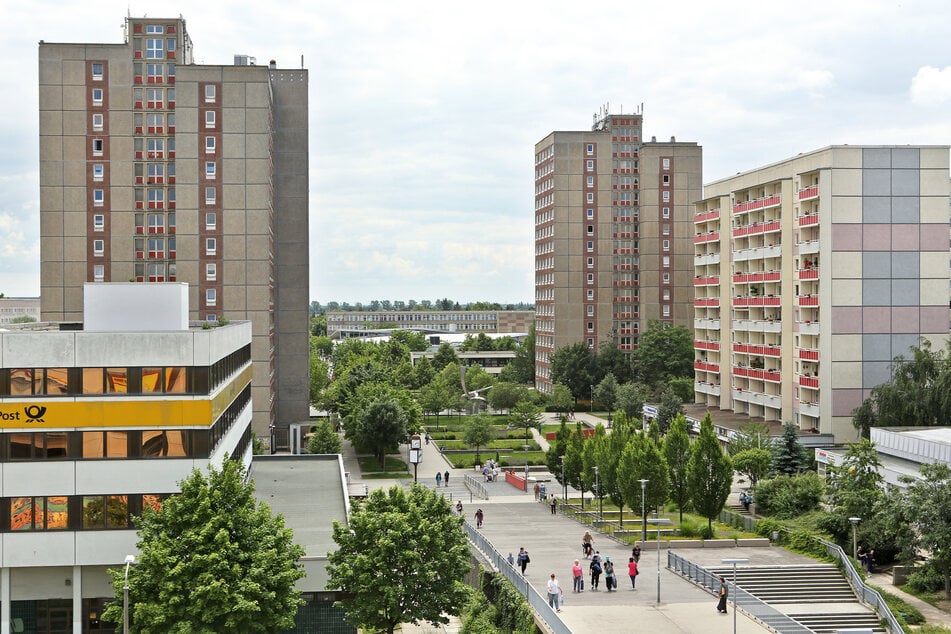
[
  {"x": 690, "y": 528},
  {"x": 706, "y": 532},
  {"x": 807, "y": 544},
  {"x": 902, "y": 610},
  {"x": 765, "y": 527},
  {"x": 789, "y": 496},
  {"x": 926, "y": 578}
]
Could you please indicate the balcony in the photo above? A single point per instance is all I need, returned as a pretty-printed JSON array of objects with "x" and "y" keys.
[
  {"x": 808, "y": 220},
  {"x": 807, "y": 354},
  {"x": 757, "y": 253},
  {"x": 808, "y": 192},
  {"x": 706, "y": 302},
  {"x": 703, "y": 366},
  {"x": 761, "y": 276},
  {"x": 706, "y": 258},
  {"x": 809, "y": 409},
  {"x": 707, "y": 388},
  {"x": 809, "y": 274},
  {"x": 708, "y": 324},
  {"x": 757, "y": 349},
  {"x": 773, "y": 376},
  {"x": 706, "y": 216},
  {"x": 706, "y": 280},
  {"x": 759, "y": 203},
  {"x": 809, "y": 246},
  {"x": 757, "y": 228},
  {"x": 809, "y": 381},
  {"x": 712, "y": 236},
  {"x": 759, "y": 398},
  {"x": 809, "y": 327},
  {"x": 753, "y": 300},
  {"x": 757, "y": 325},
  {"x": 707, "y": 345},
  {"x": 807, "y": 300}
]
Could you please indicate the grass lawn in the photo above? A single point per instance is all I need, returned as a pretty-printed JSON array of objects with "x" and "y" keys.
[
  {"x": 510, "y": 459},
  {"x": 369, "y": 464}
]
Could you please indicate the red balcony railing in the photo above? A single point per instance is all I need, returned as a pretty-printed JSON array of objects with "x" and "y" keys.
[
  {"x": 759, "y": 203},
  {"x": 707, "y": 345},
  {"x": 808, "y": 192},
  {"x": 759, "y": 276},
  {"x": 809, "y": 381},
  {"x": 808, "y": 355},
  {"x": 809, "y": 274},
  {"x": 713, "y": 236},
  {"x": 808, "y": 220},
  {"x": 808, "y": 300},
  {"x": 706, "y": 367},
  {"x": 706, "y": 280},
  {"x": 773, "y": 376},
  {"x": 706, "y": 302},
  {"x": 770, "y": 300},
  {"x": 706, "y": 216},
  {"x": 757, "y": 228},
  {"x": 757, "y": 349}
]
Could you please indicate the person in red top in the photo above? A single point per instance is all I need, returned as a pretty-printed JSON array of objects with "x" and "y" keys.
[
  {"x": 578, "y": 575},
  {"x": 632, "y": 572}
]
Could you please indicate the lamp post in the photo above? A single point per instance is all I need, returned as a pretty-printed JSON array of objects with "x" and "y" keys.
[
  {"x": 597, "y": 488},
  {"x": 564, "y": 483},
  {"x": 129, "y": 560},
  {"x": 658, "y": 522},
  {"x": 643, "y": 510},
  {"x": 855, "y": 543},
  {"x": 592, "y": 398},
  {"x": 734, "y": 562}
]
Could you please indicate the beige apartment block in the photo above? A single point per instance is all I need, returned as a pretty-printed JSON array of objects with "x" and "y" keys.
[
  {"x": 812, "y": 274},
  {"x": 156, "y": 169},
  {"x": 613, "y": 230}
]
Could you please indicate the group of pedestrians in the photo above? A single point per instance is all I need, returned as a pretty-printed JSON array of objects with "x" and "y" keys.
[{"x": 440, "y": 478}]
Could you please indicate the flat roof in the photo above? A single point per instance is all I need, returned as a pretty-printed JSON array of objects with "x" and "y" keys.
[{"x": 931, "y": 434}]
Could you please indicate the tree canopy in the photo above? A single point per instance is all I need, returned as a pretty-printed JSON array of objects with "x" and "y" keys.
[
  {"x": 930, "y": 509},
  {"x": 211, "y": 559},
  {"x": 323, "y": 439},
  {"x": 573, "y": 366},
  {"x": 378, "y": 427},
  {"x": 401, "y": 559},
  {"x": 663, "y": 352},
  {"x": 478, "y": 432},
  {"x": 677, "y": 454},
  {"x": 789, "y": 456},
  {"x": 709, "y": 473}
]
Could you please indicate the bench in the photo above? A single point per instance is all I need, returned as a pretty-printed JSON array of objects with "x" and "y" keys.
[{"x": 752, "y": 541}]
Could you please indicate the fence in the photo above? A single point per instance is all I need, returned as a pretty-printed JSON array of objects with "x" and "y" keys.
[
  {"x": 762, "y": 612},
  {"x": 477, "y": 487},
  {"x": 537, "y": 600},
  {"x": 731, "y": 518}
]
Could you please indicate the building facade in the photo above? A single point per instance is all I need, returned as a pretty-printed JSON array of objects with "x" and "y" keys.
[
  {"x": 155, "y": 169},
  {"x": 97, "y": 421},
  {"x": 612, "y": 236},
  {"x": 812, "y": 274},
  {"x": 465, "y": 321},
  {"x": 19, "y": 308}
]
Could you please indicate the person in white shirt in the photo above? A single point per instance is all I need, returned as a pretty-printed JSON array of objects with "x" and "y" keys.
[{"x": 554, "y": 593}]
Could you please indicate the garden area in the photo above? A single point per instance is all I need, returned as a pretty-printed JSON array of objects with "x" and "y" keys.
[{"x": 466, "y": 441}]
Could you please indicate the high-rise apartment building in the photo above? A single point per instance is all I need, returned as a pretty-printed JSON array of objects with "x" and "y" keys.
[
  {"x": 813, "y": 274},
  {"x": 613, "y": 231},
  {"x": 156, "y": 169}
]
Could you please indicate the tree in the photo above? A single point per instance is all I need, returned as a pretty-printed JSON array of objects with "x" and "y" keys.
[
  {"x": 379, "y": 428},
  {"x": 478, "y": 432},
  {"x": 683, "y": 388},
  {"x": 856, "y": 484},
  {"x": 401, "y": 558},
  {"x": 319, "y": 378},
  {"x": 610, "y": 471},
  {"x": 560, "y": 398},
  {"x": 677, "y": 454},
  {"x": 573, "y": 366},
  {"x": 642, "y": 460},
  {"x": 556, "y": 451},
  {"x": 753, "y": 463},
  {"x": 606, "y": 392},
  {"x": 23, "y": 319},
  {"x": 423, "y": 372},
  {"x": 504, "y": 395},
  {"x": 930, "y": 508},
  {"x": 669, "y": 407},
  {"x": 212, "y": 559},
  {"x": 521, "y": 369},
  {"x": 610, "y": 360},
  {"x": 414, "y": 341},
  {"x": 594, "y": 455},
  {"x": 444, "y": 356},
  {"x": 754, "y": 435},
  {"x": 323, "y": 439},
  {"x": 436, "y": 397},
  {"x": 574, "y": 463},
  {"x": 631, "y": 398},
  {"x": 526, "y": 416},
  {"x": 663, "y": 352},
  {"x": 789, "y": 456},
  {"x": 709, "y": 473}
]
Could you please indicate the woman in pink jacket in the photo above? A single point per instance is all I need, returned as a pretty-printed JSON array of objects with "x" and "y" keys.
[{"x": 632, "y": 571}]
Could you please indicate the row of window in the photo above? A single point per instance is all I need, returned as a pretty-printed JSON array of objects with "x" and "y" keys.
[
  {"x": 92, "y": 445},
  {"x": 74, "y": 512}
]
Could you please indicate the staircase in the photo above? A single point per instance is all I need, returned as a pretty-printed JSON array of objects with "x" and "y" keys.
[{"x": 794, "y": 589}]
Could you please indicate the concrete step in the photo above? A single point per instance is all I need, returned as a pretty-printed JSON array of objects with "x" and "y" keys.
[{"x": 831, "y": 623}]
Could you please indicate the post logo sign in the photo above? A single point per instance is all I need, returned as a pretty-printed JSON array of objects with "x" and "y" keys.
[{"x": 28, "y": 414}]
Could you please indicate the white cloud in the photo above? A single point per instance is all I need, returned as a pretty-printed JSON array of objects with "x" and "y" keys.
[{"x": 931, "y": 86}]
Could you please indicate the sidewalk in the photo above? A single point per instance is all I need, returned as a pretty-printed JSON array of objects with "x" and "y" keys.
[{"x": 932, "y": 615}]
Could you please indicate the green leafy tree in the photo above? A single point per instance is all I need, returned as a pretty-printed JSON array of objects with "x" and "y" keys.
[
  {"x": 424, "y": 372},
  {"x": 786, "y": 497},
  {"x": 610, "y": 360},
  {"x": 560, "y": 398},
  {"x": 856, "y": 484},
  {"x": 323, "y": 440},
  {"x": 930, "y": 509},
  {"x": 322, "y": 346},
  {"x": 683, "y": 388},
  {"x": 436, "y": 397},
  {"x": 479, "y": 343},
  {"x": 505, "y": 343},
  {"x": 677, "y": 454},
  {"x": 663, "y": 352},
  {"x": 606, "y": 392},
  {"x": 401, "y": 558},
  {"x": 754, "y": 435},
  {"x": 556, "y": 451},
  {"x": 319, "y": 379},
  {"x": 477, "y": 378},
  {"x": 595, "y": 455},
  {"x": 504, "y": 395},
  {"x": 670, "y": 406},
  {"x": 789, "y": 456},
  {"x": 478, "y": 432},
  {"x": 412, "y": 340},
  {"x": 521, "y": 369},
  {"x": 642, "y": 459},
  {"x": 526, "y": 416},
  {"x": 574, "y": 462},
  {"x": 573, "y": 366},
  {"x": 610, "y": 475},
  {"x": 444, "y": 356},
  {"x": 631, "y": 398},
  {"x": 753, "y": 463},
  {"x": 212, "y": 559},
  {"x": 379, "y": 428},
  {"x": 709, "y": 473}
]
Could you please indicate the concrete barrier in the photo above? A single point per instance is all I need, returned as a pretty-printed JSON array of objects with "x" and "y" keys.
[
  {"x": 685, "y": 543},
  {"x": 719, "y": 543},
  {"x": 752, "y": 541}
]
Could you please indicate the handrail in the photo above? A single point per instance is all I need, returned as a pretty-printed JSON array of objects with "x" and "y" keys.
[
  {"x": 477, "y": 487},
  {"x": 537, "y": 601},
  {"x": 754, "y": 607}
]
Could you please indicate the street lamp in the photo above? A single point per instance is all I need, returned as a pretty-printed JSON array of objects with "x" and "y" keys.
[
  {"x": 564, "y": 483},
  {"x": 734, "y": 562},
  {"x": 129, "y": 560},
  {"x": 592, "y": 399},
  {"x": 855, "y": 543},
  {"x": 643, "y": 510},
  {"x": 597, "y": 488}
]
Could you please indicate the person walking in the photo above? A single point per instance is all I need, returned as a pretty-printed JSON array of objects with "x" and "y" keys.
[
  {"x": 721, "y": 604},
  {"x": 554, "y": 593},
  {"x": 479, "y": 516},
  {"x": 632, "y": 572},
  {"x": 523, "y": 559},
  {"x": 636, "y": 553},
  {"x": 609, "y": 579},
  {"x": 554, "y": 504},
  {"x": 595, "y": 569},
  {"x": 587, "y": 545},
  {"x": 438, "y": 479},
  {"x": 511, "y": 559},
  {"x": 577, "y": 575},
  {"x": 537, "y": 490},
  {"x": 459, "y": 507},
  {"x": 445, "y": 478}
]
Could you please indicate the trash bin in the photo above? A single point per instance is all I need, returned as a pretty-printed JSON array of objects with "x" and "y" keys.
[{"x": 775, "y": 536}]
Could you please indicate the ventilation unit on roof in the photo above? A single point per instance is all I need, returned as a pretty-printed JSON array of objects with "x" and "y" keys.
[{"x": 244, "y": 60}]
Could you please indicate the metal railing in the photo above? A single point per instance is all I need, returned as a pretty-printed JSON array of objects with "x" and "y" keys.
[
  {"x": 865, "y": 593},
  {"x": 537, "y": 600},
  {"x": 732, "y": 518},
  {"x": 759, "y": 610},
  {"x": 476, "y": 487}
]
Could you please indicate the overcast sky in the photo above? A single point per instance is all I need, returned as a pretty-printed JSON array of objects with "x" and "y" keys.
[{"x": 424, "y": 115}]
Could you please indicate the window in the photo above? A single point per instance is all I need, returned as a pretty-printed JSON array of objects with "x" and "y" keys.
[
  {"x": 590, "y": 309},
  {"x": 211, "y": 220},
  {"x": 155, "y": 97},
  {"x": 590, "y": 245},
  {"x": 210, "y": 144},
  {"x": 666, "y": 295},
  {"x": 590, "y": 342},
  {"x": 156, "y": 198},
  {"x": 589, "y": 213},
  {"x": 98, "y": 197},
  {"x": 155, "y": 148},
  {"x": 156, "y": 247},
  {"x": 211, "y": 168},
  {"x": 590, "y": 230},
  {"x": 590, "y": 326},
  {"x": 210, "y": 119},
  {"x": 171, "y": 222},
  {"x": 156, "y": 123},
  {"x": 590, "y": 293},
  {"x": 589, "y": 149},
  {"x": 98, "y": 247},
  {"x": 666, "y": 212},
  {"x": 590, "y": 263},
  {"x": 155, "y": 72},
  {"x": 209, "y": 93},
  {"x": 154, "y": 48},
  {"x": 98, "y": 222},
  {"x": 156, "y": 223},
  {"x": 211, "y": 272},
  {"x": 590, "y": 197},
  {"x": 666, "y": 179},
  {"x": 98, "y": 171},
  {"x": 666, "y": 310},
  {"x": 211, "y": 297},
  {"x": 211, "y": 246},
  {"x": 170, "y": 70},
  {"x": 666, "y": 163},
  {"x": 665, "y": 230},
  {"x": 98, "y": 273},
  {"x": 170, "y": 46},
  {"x": 97, "y": 146},
  {"x": 154, "y": 29},
  {"x": 106, "y": 511},
  {"x": 97, "y": 71},
  {"x": 156, "y": 172},
  {"x": 666, "y": 262},
  {"x": 666, "y": 245},
  {"x": 97, "y": 121},
  {"x": 666, "y": 197},
  {"x": 590, "y": 278},
  {"x": 211, "y": 195},
  {"x": 97, "y": 96},
  {"x": 590, "y": 181},
  {"x": 666, "y": 278},
  {"x": 589, "y": 166}
]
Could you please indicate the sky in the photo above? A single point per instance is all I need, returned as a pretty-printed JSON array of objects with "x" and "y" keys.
[{"x": 424, "y": 114}]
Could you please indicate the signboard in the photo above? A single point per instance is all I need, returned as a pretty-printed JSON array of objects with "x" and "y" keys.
[{"x": 415, "y": 456}]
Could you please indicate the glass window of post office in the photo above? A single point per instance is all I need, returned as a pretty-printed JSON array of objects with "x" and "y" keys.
[
  {"x": 105, "y": 511},
  {"x": 117, "y": 380},
  {"x": 105, "y": 444},
  {"x": 153, "y": 380},
  {"x": 169, "y": 443}
]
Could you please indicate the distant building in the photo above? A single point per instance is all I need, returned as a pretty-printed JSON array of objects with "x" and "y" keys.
[
  {"x": 613, "y": 236},
  {"x": 157, "y": 169},
  {"x": 812, "y": 274},
  {"x": 12, "y": 308},
  {"x": 343, "y": 324}
]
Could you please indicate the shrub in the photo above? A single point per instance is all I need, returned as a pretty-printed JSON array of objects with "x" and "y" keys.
[
  {"x": 926, "y": 578},
  {"x": 902, "y": 610},
  {"x": 807, "y": 544},
  {"x": 789, "y": 496},
  {"x": 690, "y": 528},
  {"x": 706, "y": 532},
  {"x": 765, "y": 527}
]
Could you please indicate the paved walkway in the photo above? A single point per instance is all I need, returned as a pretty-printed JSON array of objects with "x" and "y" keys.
[{"x": 932, "y": 615}]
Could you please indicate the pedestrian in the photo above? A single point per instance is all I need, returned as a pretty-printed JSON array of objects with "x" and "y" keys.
[
  {"x": 870, "y": 560},
  {"x": 445, "y": 478},
  {"x": 636, "y": 553},
  {"x": 721, "y": 605},
  {"x": 554, "y": 593},
  {"x": 537, "y": 490},
  {"x": 523, "y": 559},
  {"x": 479, "y": 516},
  {"x": 554, "y": 504},
  {"x": 543, "y": 493},
  {"x": 609, "y": 579},
  {"x": 427, "y": 438},
  {"x": 438, "y": 479},
  {"x": 511, "y": 559},
  {"x": 459, "y": 507},
  {"x": 587, "y": 544},
  {"x": 632, "y": 572},
  {"x": 577, "y": 575},
  {"x": 595, "y": 569}
]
